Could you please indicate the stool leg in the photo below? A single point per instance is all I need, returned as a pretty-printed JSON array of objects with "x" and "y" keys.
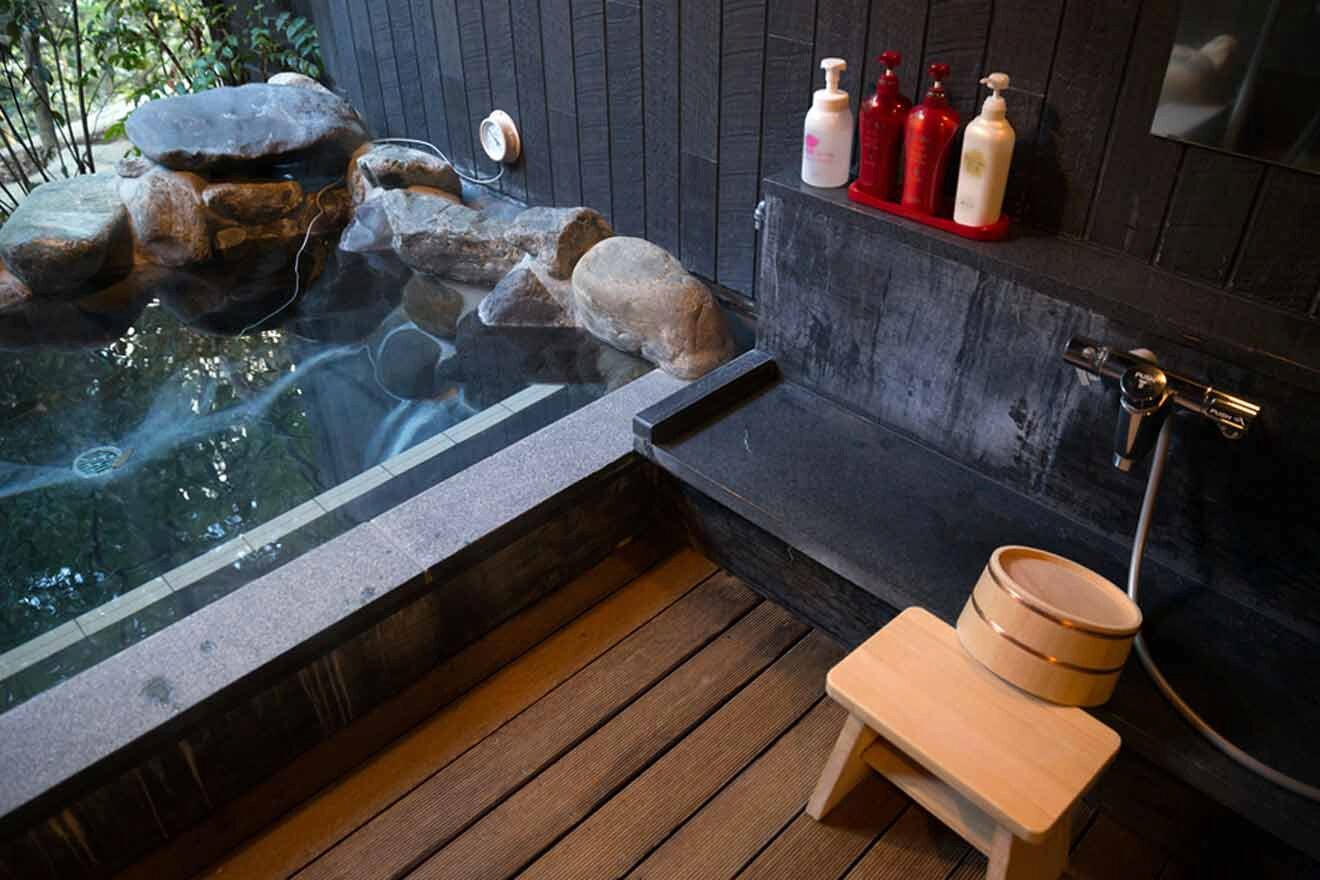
[
  {"x": 844, "y": 769},
  {"x": 1012, "y": 858}
]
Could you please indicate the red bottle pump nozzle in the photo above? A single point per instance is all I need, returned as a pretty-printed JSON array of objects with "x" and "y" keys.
[
  {"x": 938, "y": 73},
  {"x": 890, "y": 60}
]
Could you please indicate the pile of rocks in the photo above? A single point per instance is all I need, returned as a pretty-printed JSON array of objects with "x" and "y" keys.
[
  {"x": 234, "y": 182},
  {"x": 551, "y": 267},
  {"x": 212, "y": 211}
]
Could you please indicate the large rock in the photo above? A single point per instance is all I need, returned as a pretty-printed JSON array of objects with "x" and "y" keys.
[
  {"x": 236, "y": 126},
  {"x": 301, "y": 80},
  {"x": 432, "y": 304},
  {"x": 393, "y": 166},
  {"x": 258, "y": 201},
  {"x": 521, "y": 299},
  {"x": 634, "y": 296},
  {"x": 67, "y": 233},
  {"x": 433, "y": 235},
  {"x": 558, "y": 237},
  {"x": 166, "y": 215}
]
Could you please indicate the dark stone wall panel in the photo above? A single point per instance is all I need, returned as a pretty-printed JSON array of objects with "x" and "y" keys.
[{"x": 968, "y": 362}]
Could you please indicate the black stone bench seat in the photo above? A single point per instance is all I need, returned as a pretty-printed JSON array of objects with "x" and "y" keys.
[{"x": 909, "y": 526}]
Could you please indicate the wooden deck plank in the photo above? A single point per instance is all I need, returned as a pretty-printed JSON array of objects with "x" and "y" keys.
[
  {"x": 531, "y": 820},
  {"x": 431, "y": 814},
  {"x": 811, "y": 850},
  {"x": 749, "y": 812},
  {"x": 673, "y": 730},
  {"x": 637, "y": 819},
  {"x": 620, "y": 594},
  {"x": 917, "y": 847},
  {"x": 736, "y": 824}
]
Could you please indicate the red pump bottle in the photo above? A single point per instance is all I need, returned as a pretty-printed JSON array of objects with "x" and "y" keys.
[
  {"x": 882, "y": 119},
  {"x": 931, "y": 127}
]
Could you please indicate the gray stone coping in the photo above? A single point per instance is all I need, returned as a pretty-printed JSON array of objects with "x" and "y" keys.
[{"x": 153, "y": 688}]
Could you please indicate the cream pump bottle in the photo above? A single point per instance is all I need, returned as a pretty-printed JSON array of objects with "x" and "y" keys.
[
  {"x": 828, "y": 132},
  {"x": 986, "y": 154}
]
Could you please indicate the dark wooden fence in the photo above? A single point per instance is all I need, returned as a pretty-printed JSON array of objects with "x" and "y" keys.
[{"x": 666, "y": 114}]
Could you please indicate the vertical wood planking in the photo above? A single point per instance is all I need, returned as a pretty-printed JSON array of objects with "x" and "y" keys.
[
  {"x": 1280, "y": 261},
  {"x": 1140, "y": 169},
  {"x": 406, "y": 36},
  {"x": 1209, "y": 208},
  {"x": 593, "y": 111},
  {"x": 430, "y": 82},
  {"x": 532, "y": 122},
  {"x": 627, "y": 128},
  {"x": 1079, "y": 107},
  {"x": 841, "y": 32},
  {"x": 902, "y": 31},
  {"x": 789, "y": 79},
  {"x": 661, "y": 120},
  {"x": 504, "y": 83},
  {"x": 957, "y": 32},
  {"x": 666, "y": 115},
  {"x": 344, "y": 69},
  {"x": 386, "y": 43},
  {"x": 1018, "y": 31},
  {"x": 561, "y": 99},
  {"x": 373, "y": 102},
  {"x": 742, "y": 61},
  {"x": 476, "y": 76},
  {"x": 445, "y": 15},
  {"x": 699, "y": 68}
]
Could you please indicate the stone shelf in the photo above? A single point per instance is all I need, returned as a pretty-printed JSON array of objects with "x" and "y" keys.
[
  {"x": 894, "y": 524},
  {"x": 1251, "y": 333}
]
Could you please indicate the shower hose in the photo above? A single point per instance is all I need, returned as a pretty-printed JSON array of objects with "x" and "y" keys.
[{"x": 1134, "y": 577}]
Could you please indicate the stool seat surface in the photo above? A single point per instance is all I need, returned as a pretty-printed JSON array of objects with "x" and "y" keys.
[{"x": 1022, "y": 760}]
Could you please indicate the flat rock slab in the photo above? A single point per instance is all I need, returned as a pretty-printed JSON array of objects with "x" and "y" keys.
[
  {"x": 66, "y": 232},
  {"x": 243, "y": 125}
]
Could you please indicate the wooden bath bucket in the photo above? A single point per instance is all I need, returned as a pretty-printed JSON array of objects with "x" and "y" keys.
[{"x": 1051, "y": 627}]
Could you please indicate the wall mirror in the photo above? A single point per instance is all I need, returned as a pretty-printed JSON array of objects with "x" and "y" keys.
[{"x": 1244, "y": 77}]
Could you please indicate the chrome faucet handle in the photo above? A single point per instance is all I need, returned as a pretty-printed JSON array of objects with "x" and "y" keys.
[{"x": 1145, "y": 389}]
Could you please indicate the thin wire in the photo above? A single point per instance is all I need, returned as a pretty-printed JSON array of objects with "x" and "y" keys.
[
  {"x": 297, "y": 274},
  {"x": 1296, "y": 786},
  {"x": 438, "y": 152},
  {"x": 297, "y": 269}
]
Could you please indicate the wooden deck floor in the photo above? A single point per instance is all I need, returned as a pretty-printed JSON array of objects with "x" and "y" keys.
[{"x": 673, "y": 730}]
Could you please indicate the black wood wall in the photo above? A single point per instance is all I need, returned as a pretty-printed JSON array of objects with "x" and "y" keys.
[{"x": 666, "y": 114}]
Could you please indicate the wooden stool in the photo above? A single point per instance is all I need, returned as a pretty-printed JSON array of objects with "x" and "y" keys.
[{"x": 995, "y": 764}]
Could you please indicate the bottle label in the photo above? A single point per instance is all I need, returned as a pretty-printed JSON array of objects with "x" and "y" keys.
[
  {"x": 811, "y": 145},
  {"x": 973, "y": 163}
]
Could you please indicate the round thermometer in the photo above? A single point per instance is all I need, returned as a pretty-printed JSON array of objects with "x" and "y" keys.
[{"x": 499, "y": 137}]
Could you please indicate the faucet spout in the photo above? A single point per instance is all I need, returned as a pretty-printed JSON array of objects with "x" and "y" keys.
[{"x": 1143, "y": 397}]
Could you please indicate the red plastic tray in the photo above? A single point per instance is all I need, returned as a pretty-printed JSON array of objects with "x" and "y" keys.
[{"x": 996, "y": 231}]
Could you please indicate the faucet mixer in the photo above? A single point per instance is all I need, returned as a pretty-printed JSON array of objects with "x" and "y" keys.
[{"x": 1145, "y": 392}]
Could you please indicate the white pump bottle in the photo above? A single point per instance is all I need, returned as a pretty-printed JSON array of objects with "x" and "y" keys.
[
  {"x": 987, "y": 152},
  {"x": 828, "y": 132}
]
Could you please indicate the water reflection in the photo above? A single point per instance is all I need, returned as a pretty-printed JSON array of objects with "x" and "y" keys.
[{"x": 194, "y": 435}]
